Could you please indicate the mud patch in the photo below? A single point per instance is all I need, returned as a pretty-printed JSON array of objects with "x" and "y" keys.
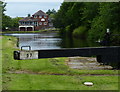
[{"x": 43, "y": 73}]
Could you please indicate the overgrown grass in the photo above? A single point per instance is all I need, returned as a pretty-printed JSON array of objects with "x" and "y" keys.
[{"x": 50, "y": 74}]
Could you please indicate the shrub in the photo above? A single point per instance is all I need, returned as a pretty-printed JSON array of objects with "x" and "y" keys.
[
  {"x": 80, "y": 32},
  {"x": 115, "y": 37},
  {"x": 67, "y": 30}
]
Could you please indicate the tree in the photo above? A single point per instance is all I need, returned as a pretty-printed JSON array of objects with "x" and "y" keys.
[
  {"x": 29, "y": 15},
  {"x": 48, "y": 12},
  {"x": 15, "y": 23},
  {"x": 90, "y": 11},
  {"x": 69, "y": 16},
  {"x": 61, "y": 16},
  {"x": 93, "y": 17},
  {"x": 53, "y": 11},
  {"x": 108, "y": 18},
  {"x": 2, "y": 7},
  {"x": 6, "y": 22}
]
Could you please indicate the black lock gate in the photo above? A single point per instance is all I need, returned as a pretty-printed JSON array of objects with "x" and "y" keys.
[{"x": 103, "y": 54}]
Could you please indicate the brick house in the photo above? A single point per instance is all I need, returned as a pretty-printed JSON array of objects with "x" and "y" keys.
[{"x": 39, "y": 20}]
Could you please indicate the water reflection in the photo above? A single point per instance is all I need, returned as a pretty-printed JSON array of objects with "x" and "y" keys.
[
  {"x": 49, "y": 41},
  {"x": 38, "y": 41},
  {"x": 70, "y": 42}
]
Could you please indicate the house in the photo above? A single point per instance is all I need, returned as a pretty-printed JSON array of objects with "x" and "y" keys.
[{"x": 39, "y": 20}]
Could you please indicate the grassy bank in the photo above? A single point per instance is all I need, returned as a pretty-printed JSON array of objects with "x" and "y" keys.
[
  {"x": 0, "y": 63},
  {"x": 50, "y": 74},
  {"x": 55, "y": 82},
  {"x": 39, "y": 31}
]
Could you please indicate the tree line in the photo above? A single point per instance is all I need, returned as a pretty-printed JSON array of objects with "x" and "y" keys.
[
  {"x": 8, "y": 23},
  {"x": 89, "y": 20}
]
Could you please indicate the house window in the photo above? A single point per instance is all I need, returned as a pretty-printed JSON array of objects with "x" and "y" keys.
[
  {"x": 45, "y": 17},
  {"x": 35, "y": 16},
  {"x": 20, "y": 23},
  {"x": 33, "y": 23},
  {"x": 45, "y": 23},
  {"x": 36, "y": 23},
  {"x": 23, "y": 23},
  {"x": 40, "y": 23},
  {"x": 50, "y": 24},
  {"x": 42, "y": 19},
  {"x": 40, "y": 16},
  {"x": 30, "y": 23}
]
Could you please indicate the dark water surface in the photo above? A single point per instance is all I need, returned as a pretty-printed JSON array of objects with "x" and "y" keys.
[{"x": 49, "y": 41}]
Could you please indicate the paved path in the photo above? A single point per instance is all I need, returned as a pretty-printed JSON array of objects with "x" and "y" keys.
[{"x": 86, "y": 63}]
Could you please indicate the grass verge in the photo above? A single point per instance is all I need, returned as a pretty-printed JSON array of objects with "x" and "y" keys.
[
  {"x": 55, "y": 82},
  {"x": 49, "y": 74},
  {"x": 0, "y": 63},
  {"x": 39, "y": 31}
]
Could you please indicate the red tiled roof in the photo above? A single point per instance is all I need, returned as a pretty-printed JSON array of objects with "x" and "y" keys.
[
  {"x": 28, "y": 19},
  {"x": 40, "y": 12}
]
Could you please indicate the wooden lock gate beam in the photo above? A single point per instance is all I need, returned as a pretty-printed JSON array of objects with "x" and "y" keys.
[{"x": 103, "y": 54}]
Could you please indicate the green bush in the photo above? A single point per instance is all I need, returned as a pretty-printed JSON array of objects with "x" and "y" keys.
[
  {"x": 115, "y": 37},
  {"x": 67, "y": 31},
  {"x": 97, "y": 30},
  {"x": 80, "y": 32}
]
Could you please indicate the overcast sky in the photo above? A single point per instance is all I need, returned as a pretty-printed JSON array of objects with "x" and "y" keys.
[
  {"x": 22, "y": 8},
  {"x": 33, "y": 0}
]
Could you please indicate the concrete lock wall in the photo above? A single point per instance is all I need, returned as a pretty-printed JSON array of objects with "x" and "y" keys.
[{"x": 28, "y": 54}]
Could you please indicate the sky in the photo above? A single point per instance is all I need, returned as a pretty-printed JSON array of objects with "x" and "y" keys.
[
  {"x": 21, "y": 8},
  {"x": 33, "y": 0}
]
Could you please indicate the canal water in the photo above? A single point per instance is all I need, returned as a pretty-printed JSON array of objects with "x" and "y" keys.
[{"x": 49, "y": 41}]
